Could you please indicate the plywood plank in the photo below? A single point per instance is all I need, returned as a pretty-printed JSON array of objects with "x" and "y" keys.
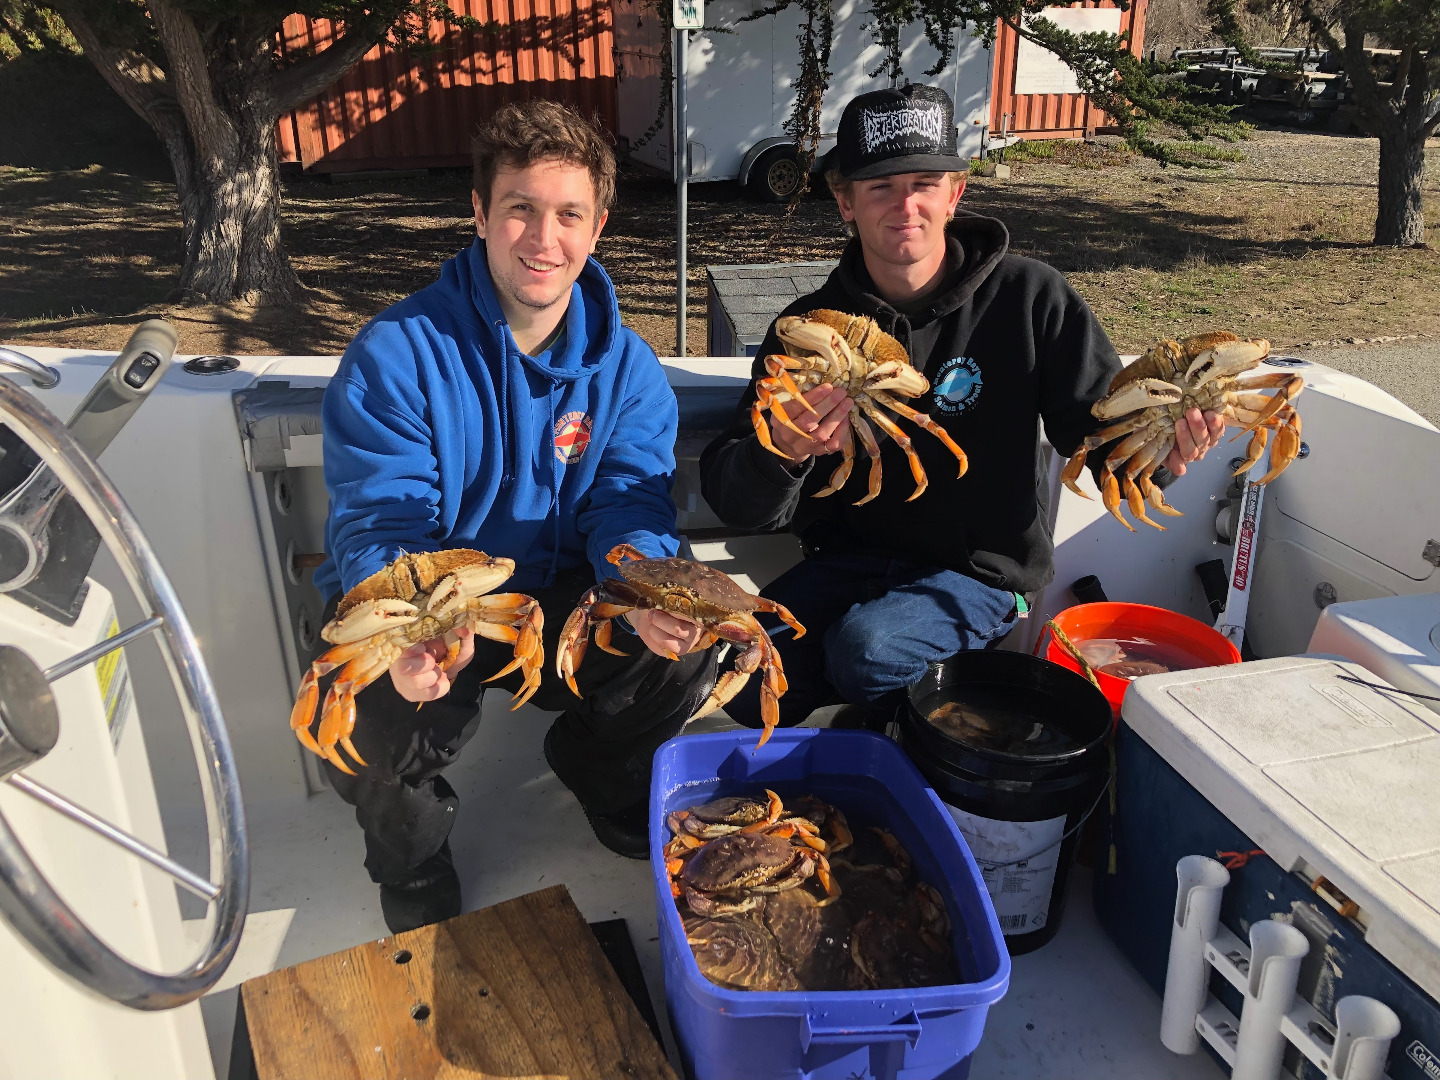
[{"x": 520, "y": 989}]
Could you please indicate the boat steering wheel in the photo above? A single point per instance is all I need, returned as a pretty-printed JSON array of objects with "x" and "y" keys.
[{"x": 29, "y": 730}]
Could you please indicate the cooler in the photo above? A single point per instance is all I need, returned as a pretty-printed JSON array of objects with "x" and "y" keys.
[{"x": 1319, "y": 786}]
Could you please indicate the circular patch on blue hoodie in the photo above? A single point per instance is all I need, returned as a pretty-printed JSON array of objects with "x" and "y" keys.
[
  {"x": 958, "y": 385},
  {"x": 572, "y": 436}
]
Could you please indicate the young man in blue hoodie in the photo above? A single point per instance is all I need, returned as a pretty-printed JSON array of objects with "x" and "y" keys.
[{"x": 505, "y": 408}]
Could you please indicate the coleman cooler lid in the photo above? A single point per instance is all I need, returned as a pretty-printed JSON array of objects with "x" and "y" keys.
[{"x": 1329, "y": 770}]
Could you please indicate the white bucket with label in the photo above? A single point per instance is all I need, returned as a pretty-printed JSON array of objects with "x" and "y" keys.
[{"x": 1016, "y": 747}]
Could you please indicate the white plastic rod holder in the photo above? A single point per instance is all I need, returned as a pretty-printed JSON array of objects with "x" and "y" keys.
[
  {"x": 1363, "y": 1030},
  {"x": 1197, "y": 915},
  {"x": 1276, "y": 950}
]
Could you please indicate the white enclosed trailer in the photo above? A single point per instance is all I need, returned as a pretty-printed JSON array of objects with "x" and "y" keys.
[{"x": 740, "y": 88}]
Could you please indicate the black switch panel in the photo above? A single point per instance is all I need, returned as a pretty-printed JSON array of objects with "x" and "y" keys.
[{"x": 141, "y": 369}]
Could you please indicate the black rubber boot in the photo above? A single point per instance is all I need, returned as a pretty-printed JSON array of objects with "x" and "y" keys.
[
  {"x": 625, "y": 833},
  {"x": 863, "y": 718},
  {"x": 432, "y": 896}
]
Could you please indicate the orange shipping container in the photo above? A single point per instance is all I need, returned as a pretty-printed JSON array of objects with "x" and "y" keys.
[
  {"x": 1032, "y": 92},
  {"x": 417, "y": 110}
]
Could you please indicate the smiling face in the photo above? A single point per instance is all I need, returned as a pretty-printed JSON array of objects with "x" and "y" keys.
[
  {"x": 540, "y": 226},
  {"x": 901, "y": 219}
]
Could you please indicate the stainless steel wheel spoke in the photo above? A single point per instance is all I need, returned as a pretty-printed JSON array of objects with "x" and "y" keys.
[
  {"x": 109, "y": 645},
  {"x": 53, "y": 799}
]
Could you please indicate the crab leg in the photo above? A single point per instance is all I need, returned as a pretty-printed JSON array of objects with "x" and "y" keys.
[
  {"x": 1140, "y": 465},
  {"x": 1289, "y": 387},
  {"x": 337, "y": 717},
  {"x": 896, "y": 405},
  {"x": 743, "y": 629},
  {"x": 901, "y": 440},
  {"x": 1285, "y": 450},
  {"x": 783, "y": 612},
  {"x": 308, "y": 697},
  {"x": 778, "y": 371},
  {"x": 872, "y": 448},
  {"x": 841, "y": 474},
  {"x": 1076, "y": 463},
  {"x": 762, "y": 429},
  {"x": 575, "y": 635},
  {"x": 1110, "y": 496}
]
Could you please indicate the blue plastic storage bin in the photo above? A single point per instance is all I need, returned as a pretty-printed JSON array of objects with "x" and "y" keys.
[{"x": 927, "y": 1033}]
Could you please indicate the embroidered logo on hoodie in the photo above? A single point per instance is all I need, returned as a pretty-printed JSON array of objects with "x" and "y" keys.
[
  {"x": 572, "y": 436},
  {"x": 958, "y": 385}
]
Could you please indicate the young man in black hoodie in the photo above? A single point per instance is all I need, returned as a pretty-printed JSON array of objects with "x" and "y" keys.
[{"x": 889, "y": 586}]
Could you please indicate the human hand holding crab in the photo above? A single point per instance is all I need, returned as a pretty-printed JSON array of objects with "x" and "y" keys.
[
  {"x": 418, "y": 673},
  {"x": 665, "y": 633},
  {"x": 823, "y": 428},
  {"x": 1195, "y": 434}
]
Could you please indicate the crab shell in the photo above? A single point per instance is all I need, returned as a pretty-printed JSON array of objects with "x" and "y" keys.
[
  {"x": 687, "y": 588},
  {"x": 395, "y": 595},
  {"x": 739, "y": 954},
  {"x": 815, "y": 334},
  {"x": 740, "y": 861}
]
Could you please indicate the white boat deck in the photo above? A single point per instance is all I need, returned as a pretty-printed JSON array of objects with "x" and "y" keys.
[{"x": 1075, "y": 1008}]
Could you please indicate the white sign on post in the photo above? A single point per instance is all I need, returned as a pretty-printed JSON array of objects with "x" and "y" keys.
[
  {"x": 689, "y": 14},
  {"x": 1038, "y": 70}
]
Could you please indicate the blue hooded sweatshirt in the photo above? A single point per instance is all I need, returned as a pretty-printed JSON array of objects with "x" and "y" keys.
[{"x": 441, "y": 433}]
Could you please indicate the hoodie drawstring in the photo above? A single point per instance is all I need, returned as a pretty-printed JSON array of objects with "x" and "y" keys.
[
  {"x": 507, "y": 474},
  {"x": 557, "y": 476}
]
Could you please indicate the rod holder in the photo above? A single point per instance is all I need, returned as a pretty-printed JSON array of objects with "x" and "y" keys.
[
  {"x": 1197, "y": 917},
  {"x": 1276, "y": 950},
  {"x": 1363, "y": 1030},
  {"x": 1265, "y": 972}
]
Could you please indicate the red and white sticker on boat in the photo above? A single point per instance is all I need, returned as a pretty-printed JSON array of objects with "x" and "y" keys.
[{"x": 572, "y": 436}]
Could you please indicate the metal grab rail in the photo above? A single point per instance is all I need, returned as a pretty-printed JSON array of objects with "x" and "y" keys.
[
  {"x": 43, "y": 376},
  {"x": 27, "y": 901}
]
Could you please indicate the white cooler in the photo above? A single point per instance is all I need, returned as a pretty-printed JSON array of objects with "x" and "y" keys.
[{"x": 1332, "y": 774}]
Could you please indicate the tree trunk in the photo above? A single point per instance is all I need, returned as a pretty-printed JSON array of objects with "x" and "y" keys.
[
  {"x": 232, "y": 220},
  {"x": 1400, "y": 220}
]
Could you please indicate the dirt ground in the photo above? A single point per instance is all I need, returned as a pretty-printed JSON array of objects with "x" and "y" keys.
[{"x": 1273, "y": 245}]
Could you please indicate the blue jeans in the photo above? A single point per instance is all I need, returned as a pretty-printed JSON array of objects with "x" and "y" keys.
[{"x": 873, "y": 625}]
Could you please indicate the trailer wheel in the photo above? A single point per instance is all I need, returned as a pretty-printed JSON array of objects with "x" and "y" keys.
[{"x": 776, "y": 175}]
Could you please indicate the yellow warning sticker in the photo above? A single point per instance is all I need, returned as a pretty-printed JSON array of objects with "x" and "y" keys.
[{"x": 112, "y": 672}]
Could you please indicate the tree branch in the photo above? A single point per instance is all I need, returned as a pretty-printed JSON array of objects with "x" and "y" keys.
[
  {"x": 300, "y": 82},
  {"x": 1402, "y": 74},
  {"x": 211, "y": 129},
  {"x": 139, "y": 81}
]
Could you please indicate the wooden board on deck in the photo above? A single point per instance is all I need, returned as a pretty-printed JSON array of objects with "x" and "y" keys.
[{"x": 520, "y": 989}]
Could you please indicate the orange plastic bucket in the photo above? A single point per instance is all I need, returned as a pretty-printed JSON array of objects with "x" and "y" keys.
[{"x": 1177, "y": 633}]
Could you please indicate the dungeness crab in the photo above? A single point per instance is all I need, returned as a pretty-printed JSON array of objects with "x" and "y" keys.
[
  {"x": 734, "y": 873},
  {"x": 1147, "y": 398},
  {"x": 853, "y": 353},
  {"x": 698, "y": 592},
  {"x": 414, "y": 599}
]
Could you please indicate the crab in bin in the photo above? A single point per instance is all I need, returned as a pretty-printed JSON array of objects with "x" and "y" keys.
[
  {"x": 853, "y": 353},
  {"x": 698, "y": 592},
  {"x": 1148, "y": 397},
  {"x": 416, "y": 598}
]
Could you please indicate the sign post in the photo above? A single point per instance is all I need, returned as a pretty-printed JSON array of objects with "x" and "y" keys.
[{"x": 689, "y": 15}]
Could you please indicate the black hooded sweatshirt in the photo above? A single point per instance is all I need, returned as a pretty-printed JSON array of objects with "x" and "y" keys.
[{"x": 1006, "y": 344}]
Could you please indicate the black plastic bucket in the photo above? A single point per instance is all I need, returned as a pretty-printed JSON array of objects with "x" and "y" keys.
[{"x": 1019, "y": 755}]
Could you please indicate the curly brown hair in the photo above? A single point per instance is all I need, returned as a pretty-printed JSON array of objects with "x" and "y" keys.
[{"x": 527, "y": 132}]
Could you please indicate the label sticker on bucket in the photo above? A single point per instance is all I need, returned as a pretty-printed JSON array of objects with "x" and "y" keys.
[{"x": 1020, "y": 890}]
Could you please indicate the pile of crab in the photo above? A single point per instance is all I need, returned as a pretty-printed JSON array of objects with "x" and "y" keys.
[{"x": 776, "y": 897}]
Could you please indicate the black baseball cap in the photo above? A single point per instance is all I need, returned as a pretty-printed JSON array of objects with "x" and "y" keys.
[{"x": 905, "y": 130}]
